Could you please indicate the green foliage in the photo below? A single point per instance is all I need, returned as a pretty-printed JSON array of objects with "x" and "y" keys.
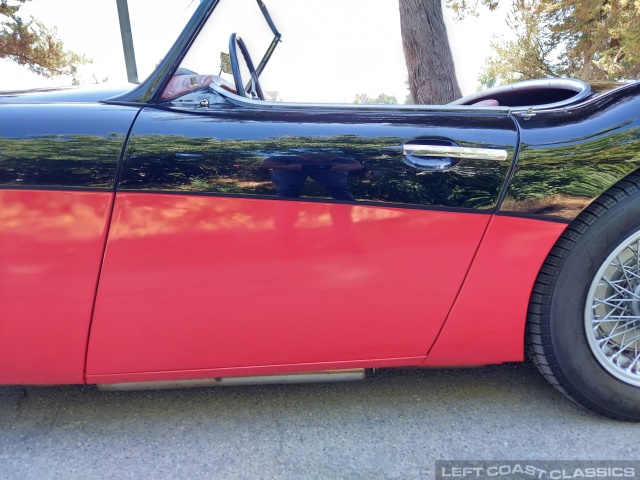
[
  {"x": 587, "y": 39},
  {"x": 382, "y": 99},
  {"x": 486, "y": 81},
  {"x": 462, "y": 8},
  {"x": 32, "y": 44}
]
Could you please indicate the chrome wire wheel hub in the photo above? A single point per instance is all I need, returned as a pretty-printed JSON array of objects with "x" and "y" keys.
[{"x": 612, "y": 313}]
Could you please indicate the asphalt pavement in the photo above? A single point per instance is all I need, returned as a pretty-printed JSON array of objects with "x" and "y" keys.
[{"x": 393, "y": 425}]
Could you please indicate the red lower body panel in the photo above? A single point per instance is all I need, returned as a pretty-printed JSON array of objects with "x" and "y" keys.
[
  {"x": 486, "y": 324},
  {"x": 51, "y": 245},
  {"x": 215, "y": 284},
  {"x": 196, "y": 287}
]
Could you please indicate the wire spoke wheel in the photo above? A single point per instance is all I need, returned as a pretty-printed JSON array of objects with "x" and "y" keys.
[
  {"x": 612, "y": 313},
  {"x": 583, "y": 327}
]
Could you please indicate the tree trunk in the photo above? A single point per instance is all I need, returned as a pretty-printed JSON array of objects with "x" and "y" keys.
[{"x": 432, "y": 75}]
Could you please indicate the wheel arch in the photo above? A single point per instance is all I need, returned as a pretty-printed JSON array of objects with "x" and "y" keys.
[{"x": 553, "y": 282}]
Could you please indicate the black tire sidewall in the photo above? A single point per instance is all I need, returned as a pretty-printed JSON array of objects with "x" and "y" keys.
[{"x": 593, "y": 386}]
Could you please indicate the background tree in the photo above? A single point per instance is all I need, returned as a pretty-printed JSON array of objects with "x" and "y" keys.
[
  {"x": 32, "y": 44},
  {"x": 383, "y": 98},
  {"x": 432, "y": 76},
  {"x": 594, "y": 40}
]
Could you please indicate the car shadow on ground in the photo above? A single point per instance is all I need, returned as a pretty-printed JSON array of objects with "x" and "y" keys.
[
  {"x": 496, "y": 387},
  {"x": 393, "y": 425}
]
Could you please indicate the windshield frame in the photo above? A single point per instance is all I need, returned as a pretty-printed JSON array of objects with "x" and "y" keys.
[
  {"x": 274, "y": 43},
  {"x": 148, "y": 92}
]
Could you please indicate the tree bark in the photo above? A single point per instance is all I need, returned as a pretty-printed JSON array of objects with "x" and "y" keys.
[{"x": 432, "y": 75}]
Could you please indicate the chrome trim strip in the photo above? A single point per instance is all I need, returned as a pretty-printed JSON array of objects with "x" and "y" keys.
[
  {"x": 455, "y": 152},
  {"x": 323, "y": 376}
]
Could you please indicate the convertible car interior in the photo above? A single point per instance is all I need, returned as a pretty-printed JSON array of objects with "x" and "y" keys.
[
  {"x": 243, "y": 78},
  {"x": 183, "y": 83},
  {"x": 547, "y": 92},
  {"x": 550, "y": 92},
  {"x": 538, "y": 93}
]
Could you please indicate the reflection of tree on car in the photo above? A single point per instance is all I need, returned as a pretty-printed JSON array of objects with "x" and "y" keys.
[{"x": 289, "y": 174}]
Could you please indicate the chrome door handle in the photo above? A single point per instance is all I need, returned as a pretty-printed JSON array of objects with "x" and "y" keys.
[
  {"x": 430, "y": 164},
  {"x": 414, "y": 155}
]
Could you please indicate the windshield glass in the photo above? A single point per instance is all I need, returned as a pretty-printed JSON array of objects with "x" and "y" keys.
[
  {"x": 154, "y": 34},
  {"x": 323, "y": 56}
]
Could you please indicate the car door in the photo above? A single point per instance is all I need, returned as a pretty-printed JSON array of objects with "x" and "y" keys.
[{"x": 218, "y": 264}]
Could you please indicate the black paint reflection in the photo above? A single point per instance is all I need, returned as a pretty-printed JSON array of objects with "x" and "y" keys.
[
  {"x": 375, "y": 172},
  {"x": 76, "y": 146},
  {"x": 60, "y": 161},
  {"x": 317, "y": 156},
  {"x": 570, "y": 158},
  {"x": 289, "y": 174}
]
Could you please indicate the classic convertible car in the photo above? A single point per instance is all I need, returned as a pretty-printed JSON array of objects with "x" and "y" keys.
[{"x": 196, "y": 230}]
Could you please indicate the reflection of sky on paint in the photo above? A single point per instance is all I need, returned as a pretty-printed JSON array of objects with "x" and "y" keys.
[{"x": 359, "y": 70}]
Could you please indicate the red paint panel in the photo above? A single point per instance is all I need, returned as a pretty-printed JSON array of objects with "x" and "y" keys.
[
  {"x": 486, "y": 324},
  {"x": 206, "y": 282},
  {"x": 51, "y": 246}
]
